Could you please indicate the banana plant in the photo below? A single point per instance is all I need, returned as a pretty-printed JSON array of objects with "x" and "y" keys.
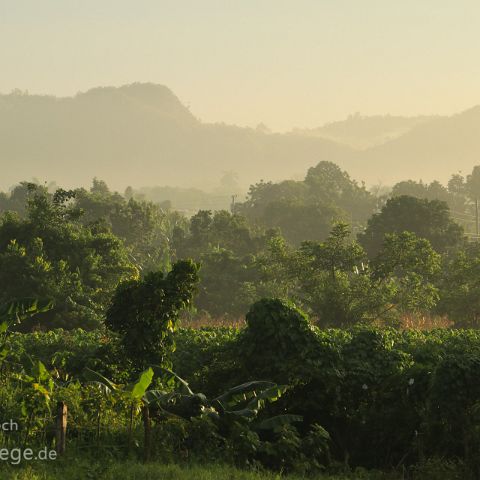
[
  {"x": 13, "y": 313},
  {"x": 37, "y": 391},
  {"x": 133, "y": 393},
  {"x": 240, "y": 403}
]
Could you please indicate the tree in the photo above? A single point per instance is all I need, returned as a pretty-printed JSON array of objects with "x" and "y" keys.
[
  {"x": 459, "y": 287},
  {"x": 17, "y": 199},
  {"x": 226, "y": 283},
  {"x": 226, "y": 246},
  {"x": 457, "y": 190},
  {"x": 427, "y": 219},
  {"x": 334, "y": 280},
  {"x": 147, "y": 230},
  {"x": 472, "y": 184},
  {"x": 328, "y": 183},
  {"x": 306, "y": 210},
  {"x": 456, "y": 184},
  {"x": 99, "y": 187},
  {"x": 299, "y": 222},
  {"x": 221, "y": 229},
  {"x": 433, "y": 191},
  {"x": 145, "y": 227},
  {"x": 335, "y": 283},
  {"x": 50, "y": 254},
  {"x": 407, "y": 266},
  {"x": 144, "y": 313}
]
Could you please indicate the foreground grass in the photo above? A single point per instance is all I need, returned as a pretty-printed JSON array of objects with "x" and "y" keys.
[{"x": 77, "y": 470}]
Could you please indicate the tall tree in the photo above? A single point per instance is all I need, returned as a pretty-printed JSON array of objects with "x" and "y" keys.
[{"x": 427, "y": 219}]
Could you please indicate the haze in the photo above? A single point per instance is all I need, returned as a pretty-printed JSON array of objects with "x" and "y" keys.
[{"x": 285, "y": 63}]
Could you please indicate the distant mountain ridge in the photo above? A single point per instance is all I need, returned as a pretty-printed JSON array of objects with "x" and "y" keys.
[
  {"x": 431, "y": 150},
  {"x": 361, "y": 132},
  {"x": 141, "y": 134}
]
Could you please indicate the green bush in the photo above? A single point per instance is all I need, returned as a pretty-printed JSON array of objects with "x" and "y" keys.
[{"x": 385, "y": 397}]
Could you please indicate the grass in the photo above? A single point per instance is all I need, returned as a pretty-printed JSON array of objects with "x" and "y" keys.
[{"x": 83, "y": 470}]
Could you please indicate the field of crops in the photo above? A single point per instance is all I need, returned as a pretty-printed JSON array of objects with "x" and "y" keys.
[{"x": 279, "y": 395}]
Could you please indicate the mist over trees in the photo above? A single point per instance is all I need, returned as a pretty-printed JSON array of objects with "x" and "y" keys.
[
  {"x": 341, "y": 252},
  {"x": 143, "y": 135},
  {"x": 304, "y": 210}
]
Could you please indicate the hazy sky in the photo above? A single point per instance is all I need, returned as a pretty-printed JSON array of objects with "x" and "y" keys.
[{"x": 284, "y": 62}]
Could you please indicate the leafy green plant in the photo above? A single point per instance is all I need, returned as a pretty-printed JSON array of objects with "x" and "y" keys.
[
  {"x": 145, "y": 312},
  {"x": 13, "y": 313}
]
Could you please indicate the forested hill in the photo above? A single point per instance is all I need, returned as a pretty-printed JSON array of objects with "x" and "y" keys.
[
  {"x": 142, "y": 134},
  {"x": 391, "y": 148},
  {"x": 430, "y": 149},
  {"x": 137, "y": 135},
  {"x": 362, "y": 132}
]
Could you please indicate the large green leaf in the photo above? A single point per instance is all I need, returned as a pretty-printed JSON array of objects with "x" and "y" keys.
[
  {"x": 159, "y": 397},
  {"x": 171, "y": 379},
  {"x": 243, "y": 392},
  {"x": 137, "y": 390},
  {"x": 40, "y": 371},
  {"x": 17, "y": 310},
  {"x": 271, "y": 394},
  {"x": 103, "y": 383}
]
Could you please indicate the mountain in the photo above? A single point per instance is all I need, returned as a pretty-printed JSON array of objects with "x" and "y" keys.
[
  {"x": 362, "y": 132},
  {"x": 140, "y": 134},
  {"x": 431, "y": 150}
]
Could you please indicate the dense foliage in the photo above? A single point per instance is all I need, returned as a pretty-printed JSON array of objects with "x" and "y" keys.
[
  {"x": 428, "y": 219},
  {"x": 49, "y": 254},
  {"x": 304, "y": 210},
  {"x": 144, "y": 313},
  {"x": 334, "y": 281},
  {"x": 323, "y": 376},
  {"x": 385, "y": 397},
  {"x": 75, "y": 247}
]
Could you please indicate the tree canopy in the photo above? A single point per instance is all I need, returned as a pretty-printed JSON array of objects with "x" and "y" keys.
[
  {"x": 428, "y": 219},
  {"x": 50, "y": 254}
]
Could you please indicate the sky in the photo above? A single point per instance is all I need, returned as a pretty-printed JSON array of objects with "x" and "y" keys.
[{"x": 286, "y": 63}]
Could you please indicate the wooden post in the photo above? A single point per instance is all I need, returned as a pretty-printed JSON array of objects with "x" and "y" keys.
[
  {"x": 61, "y": 428},
  {"x": 147, "y": 433}
]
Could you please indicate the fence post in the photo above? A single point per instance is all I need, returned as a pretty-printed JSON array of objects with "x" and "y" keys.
[
  {"x": 61, "y": 428},
  {"x": 147, "y": 433}
]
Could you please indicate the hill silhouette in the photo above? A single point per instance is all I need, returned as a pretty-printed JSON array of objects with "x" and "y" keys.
[
  {"x": 141, "y": 134},
  {"x": 431, "y": 150},
  {"x": 361, "y": 132}
]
